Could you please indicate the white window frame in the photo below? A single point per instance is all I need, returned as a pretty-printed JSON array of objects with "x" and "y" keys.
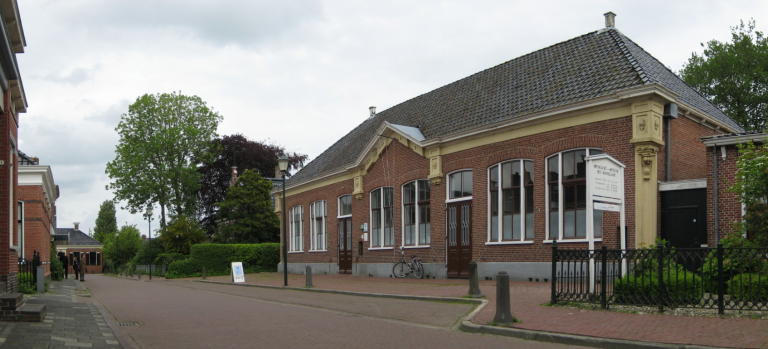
[
  {"x": 448, "y": 187},
  {"x": 296, "y": 229},
  {"x": 20, "y": 228},
  {"x": 381, "y": 246},
  {"x": 560, "y": 218},
  {"x": 499, "y": 239},
  {"x": 14, "y": 239},
  {"x": 339, "y": 215},
  {"x": 418, "y": 215},
  {"x": 314, "y": 241}
]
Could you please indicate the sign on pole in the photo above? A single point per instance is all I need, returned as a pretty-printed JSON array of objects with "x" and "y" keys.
[
  {"x": 605, "y": 192},
  {"x": 237, "y": 272}
]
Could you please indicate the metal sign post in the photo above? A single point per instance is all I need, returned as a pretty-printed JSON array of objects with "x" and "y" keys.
[{"x": 605, "y": 192}]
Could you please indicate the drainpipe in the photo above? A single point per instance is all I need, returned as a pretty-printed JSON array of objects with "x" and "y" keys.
[
  {"x": 670, "y": 112},
  {"x": 717, "y": 222}
]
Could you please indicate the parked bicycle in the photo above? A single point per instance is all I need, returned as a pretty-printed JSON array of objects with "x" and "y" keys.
[{"x": 403, "y": 268}]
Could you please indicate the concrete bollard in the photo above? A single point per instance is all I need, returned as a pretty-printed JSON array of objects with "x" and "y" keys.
[
  {"x": 503, "y": 309},
  {"x": 131, "y": 273},
  {"x": 40, "y": 279},
  {"x": 139, "y": 274},
  {"x": 474, "y": 284},
  {"x": 309, "y": 277},
  {"x": 204, "y": 273}
]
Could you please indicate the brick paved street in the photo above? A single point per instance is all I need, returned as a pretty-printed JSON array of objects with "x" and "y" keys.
[
  {"x": 185, "y": 314},
  {"x": 526, "y": 300},
  {"x": 73, "y": 320}
]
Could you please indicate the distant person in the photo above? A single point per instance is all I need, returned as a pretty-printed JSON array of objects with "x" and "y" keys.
[
  {"x": 65, "y": 261},
  {"x": 76, "y": 268}
]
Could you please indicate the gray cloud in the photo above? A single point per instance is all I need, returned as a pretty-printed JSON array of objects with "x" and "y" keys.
[{"x": 75, "y": 77}]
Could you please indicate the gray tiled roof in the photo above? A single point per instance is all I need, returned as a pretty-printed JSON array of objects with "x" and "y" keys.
[
  {"x": 76, "y": 237},
  {"x": 589, "y": 66}
]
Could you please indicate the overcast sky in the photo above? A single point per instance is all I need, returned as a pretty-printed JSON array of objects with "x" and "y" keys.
[{"x": 299, "y": 73}]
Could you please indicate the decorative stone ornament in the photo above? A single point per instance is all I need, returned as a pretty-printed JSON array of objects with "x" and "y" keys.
[
  {"x": 435, "y": 166},
  {"x": 648, "y": 154}
]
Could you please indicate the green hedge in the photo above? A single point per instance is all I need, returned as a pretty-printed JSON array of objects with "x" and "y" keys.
[
  {"x": 217, "y": 259},
  {"x": 681, "y": 288},
  {"x": 749, "y": 287}
]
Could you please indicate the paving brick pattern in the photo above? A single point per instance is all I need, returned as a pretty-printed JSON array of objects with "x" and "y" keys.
[
  {"x": 72, "y": 321},
  {"x": 527, "y": 299},
  {"x": 185, "y": 314}
]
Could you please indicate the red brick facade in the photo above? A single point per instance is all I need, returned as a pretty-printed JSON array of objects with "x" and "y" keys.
[
  {"x": 688, "y": 152},
  {"x": 729, "y": 206},
  {"x": 8, "y": 194},
  {"x": 38, "y": 223}
]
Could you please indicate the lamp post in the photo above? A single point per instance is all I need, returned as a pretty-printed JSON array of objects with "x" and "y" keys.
[
  {"x": 149, "y": 222},
  {"x": 282, "y": 162},
  {"x": 117, "y": 249}
]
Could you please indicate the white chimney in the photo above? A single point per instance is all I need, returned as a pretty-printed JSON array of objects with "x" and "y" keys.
[
  {"x": 373, "y": 111},
  {"x": 610, "y": 19}
]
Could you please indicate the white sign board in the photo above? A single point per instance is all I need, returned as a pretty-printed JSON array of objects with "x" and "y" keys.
[
  {"x": 605, "y": 178},
  {"x": 238, "y": 275},
  {"x": 607, "y": 207}
]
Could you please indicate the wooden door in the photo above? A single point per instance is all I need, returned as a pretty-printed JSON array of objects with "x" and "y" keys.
[
  {"x": 459, "y": 239},
  {"x": 345, "y": 246}
]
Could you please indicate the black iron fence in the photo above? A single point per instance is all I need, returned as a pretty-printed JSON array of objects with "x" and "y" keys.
[
  {"x": 28, "y": 268},
  {"x": 714, "y": 278}
]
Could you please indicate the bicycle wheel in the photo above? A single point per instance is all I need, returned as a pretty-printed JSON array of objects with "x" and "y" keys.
[
  {"x": 400, "y": 270},
  {"x": 418, "y": 270}
]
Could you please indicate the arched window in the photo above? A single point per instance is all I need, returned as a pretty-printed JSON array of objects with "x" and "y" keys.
[
  {"x": 345, "y": 206},
  {"x": 382, "y": 217},
  {"x": 416, "y": 214},
  {"x": 567, "y": 196},
  {"x": 510, "y": 202},
  {"x": 296, "y": 219},
  {"x": 460, "y": 185},
  {"x": 317, "y": 233}
]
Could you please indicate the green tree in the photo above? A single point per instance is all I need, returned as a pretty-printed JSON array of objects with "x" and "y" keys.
[
  {"x": 106, "y": 221},
  {"x": 180, "y": 234},
  {"x": 247, "y": 216},
  {"x": 162, "y": 139},
  {"x": 734, "y": 75},
  {"x": 142, "y": 256},
  {"x": 751, "y": 185},
  {"x": 123, "y": 248}
]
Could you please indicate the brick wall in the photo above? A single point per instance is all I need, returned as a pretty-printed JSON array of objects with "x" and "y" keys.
[
  {"x": 37, "y": 223},
  {"x": 688, "y": 152},
  {"x": 8, "y": 194},
  {"x": 398, "y": 165},
  {"x": 729, "y": 206}
]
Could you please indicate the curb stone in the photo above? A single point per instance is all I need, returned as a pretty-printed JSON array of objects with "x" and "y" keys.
[{"x": 465, "y": 324}]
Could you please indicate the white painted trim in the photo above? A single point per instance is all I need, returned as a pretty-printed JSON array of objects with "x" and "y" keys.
[
  {"x": 295, "y": 252},
  {"x": 414, "y": 247},
  {"x": 683, "y": 185},
  {"x": 313, "y": 251},
  {"x": 448, "y": 200},
  {"x": 417, "y": 234},
  {"x": 733, "y": 140},
  {"x": 515, "y": 242},
  {"x": 572, "y": 241},
  {"x": 380, "y": 248}
]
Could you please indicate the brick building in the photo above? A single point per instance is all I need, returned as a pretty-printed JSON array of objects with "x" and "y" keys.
[
  {"x": 12, "y": 103},
  {"x": 37, "y": 203},
  {"x": 76, "y": 244},
  {"x": 492, "y": 167}
]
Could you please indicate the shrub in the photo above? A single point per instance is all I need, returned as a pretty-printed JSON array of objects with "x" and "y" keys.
[
  {"x": 57, "y": 270},
  {"x": 680, "y": 287},
  {"x": 749, "y": 287},
  {"x": 217, "y": 259},
  {"x": 168, "y": 258}
]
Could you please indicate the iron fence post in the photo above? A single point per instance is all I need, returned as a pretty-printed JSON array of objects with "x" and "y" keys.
[
  {"x": 604, "y": 278},
  {"x": 659, "y": 257},
  {"x": 720, "y": 283},
  {"x": 553, "y": 301}
]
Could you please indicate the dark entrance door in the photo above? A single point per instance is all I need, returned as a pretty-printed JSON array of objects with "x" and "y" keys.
[
  {"x": 684, "y": 217},
  {"x": 459, "y": 239},
  {"x": 345, "y": 246}
]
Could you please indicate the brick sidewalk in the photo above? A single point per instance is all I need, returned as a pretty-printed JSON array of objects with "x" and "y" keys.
[{"x": 527, "y": 299}]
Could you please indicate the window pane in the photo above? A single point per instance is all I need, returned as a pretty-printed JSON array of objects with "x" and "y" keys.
[
  {"x": 466, "y": 186},
  {"x": 342, "y": 240},
  {"x": 410, "y": 214},
  {"x": 516, "y": 174},
  {"x": 568, "y": 171},
  {"x": 516, "y": 226},
  {"x": 494, "y": 228},
  {"x": 528, "y": 177},
  {"x": 553, "y": 167},
  {"x": 494, "y": 178},
  {"x": 581, "y": 223},
  {"x": 409, "y": 193},
  {"x": 349, "y": 234},
  {"x": 506, "y": 175},
  {"x": 529, "y": 226},
  {"x": 388, "y": 197},
  {"x": 529, "y": 199},
  {"x": 507, "y": 227},
  {"x": 554, "y": 197},
  {"x": 581, "y": 165},
  {"x": 508, "y": 201},
  {"x": 597, "y": 219},
  {"x": 424, "y": 190},
  {"x": 554, "y": 225},
  {"x": 376, "y": 198},
  {"x": 581, "y": 196},
  {"x": 408, "y": 235},
  {"x": 455, "y": 180},
  {"x": 569, "y": 197},
  {"x": 424, "y": 224},
  {"x": 569, "y": 226}
]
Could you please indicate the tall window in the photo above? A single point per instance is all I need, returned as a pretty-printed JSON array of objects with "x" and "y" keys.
[
  {"x": 511, "y": 189},
  {"x": 20, "y": 228},
  {"x": 416, "y": 226},
  {"x": 296, "y": 215},
  {"x": 92, "y": 258},
  {"x": 567, "y": 196},
  {"x": 345, "y": 206},
  {"x": 460, "y": 185},
  {"x": 317, "y": 213},
  {"x": 382, "y": 217}
]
